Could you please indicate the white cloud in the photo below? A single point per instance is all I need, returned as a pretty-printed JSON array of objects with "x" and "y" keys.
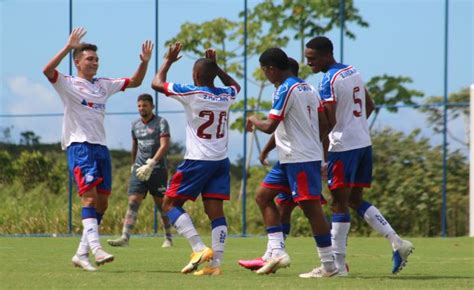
[{"x": 29, "y": 97}]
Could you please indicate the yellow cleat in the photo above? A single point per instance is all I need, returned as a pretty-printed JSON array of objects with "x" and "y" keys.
[
  {"x": 197, "y": 258},
  {"x": 210, "y": 271}
]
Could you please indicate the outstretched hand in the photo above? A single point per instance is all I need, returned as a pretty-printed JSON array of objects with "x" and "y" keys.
[
  {"x": 147, "y": 49},
  {"x": 173, "y": 52},
  {"x": 75, "y": 38},
  {"x": 211, "y": 54}
]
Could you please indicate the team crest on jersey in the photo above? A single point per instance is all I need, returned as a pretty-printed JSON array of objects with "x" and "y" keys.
[{"x": 95, "y": 106}]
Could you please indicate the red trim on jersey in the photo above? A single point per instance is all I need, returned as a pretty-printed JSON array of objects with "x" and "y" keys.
[
  {"x": 329, "y": 102},
  {"x": 54, "y": 79},
  {"x": 216, "y": 196},
  {"x": 275, "y": 117},
  {"x": 81, "y": 181},
  {"x": 125, "y": 84},
  {"x": 334, "y": 79},
  {"x": 146, "y": 122},
  {"x": 279, "y": 187},
  {"x": 165, "y": 135},
  {"x": 166, "y": 89}
]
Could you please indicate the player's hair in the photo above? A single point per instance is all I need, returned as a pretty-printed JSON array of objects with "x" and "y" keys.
[
  {"x": 321, "y": 44},
  {"x": 83, "y": 47},
  {"x": 207, "y": 69},
  {"x": 145, "y": 98},
  {"x": 274, "y": 57},
  {"x": 294, "y": 66}
]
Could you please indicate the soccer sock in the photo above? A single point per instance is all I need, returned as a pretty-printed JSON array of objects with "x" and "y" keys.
[
  {"x": 167, "y": 226},
  {"x": 325, "y": 251},
  {"x": 286, "y": 230},
  {"x": 99, "y": 216},
  {"x": 276, "y": 240},
  {"x": 341, "y": 223},
  {"x": 184, "y": 225},
  {"x": 83, "y": 248},
  {"x": 130, "y": 219},
  {"x": 91, "y": 228},
  {"x": 377, "y": 221},
  {"x": 268, "y": 252},
  {"x": 219, "y": 234}
]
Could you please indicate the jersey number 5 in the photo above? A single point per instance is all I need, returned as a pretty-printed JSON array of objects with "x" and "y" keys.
[
  {"x": 357, "y": 101},
  {"x": 208, "y": 123}
]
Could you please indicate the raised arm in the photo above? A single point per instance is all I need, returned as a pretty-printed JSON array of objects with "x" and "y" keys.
[
  {"x": 73, "y": 42},
  {"x": 171, "y": 56},
  {"x": 225, "y": 78},
  {"x": 137, "y": 79},
  {"x": 268, "y": 126}
]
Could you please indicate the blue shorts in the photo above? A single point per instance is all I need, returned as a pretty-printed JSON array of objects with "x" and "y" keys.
[
  {"x": 91, "y": 167},
  {"x": 351, "y": 168},
  {"x": 206, "y": 177},
  {"x": 285, "y": 199},
  {"x": 302, "y": 180}
]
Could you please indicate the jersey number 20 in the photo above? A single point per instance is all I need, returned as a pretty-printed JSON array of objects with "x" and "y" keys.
[{"x": 210, "y": 115}]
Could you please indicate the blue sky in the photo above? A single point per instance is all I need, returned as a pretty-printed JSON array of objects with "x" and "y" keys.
[{"x": 405, "y": 37}]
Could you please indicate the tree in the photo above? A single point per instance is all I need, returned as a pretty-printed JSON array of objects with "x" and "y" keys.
[
  {"x": 29, "y": 138},
  {"x": 389, "y": 91},
  {"x": 434, "y": 112}
]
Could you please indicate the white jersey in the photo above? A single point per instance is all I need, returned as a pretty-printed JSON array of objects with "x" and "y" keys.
[
  {"x": 296, "y": 104},
  {"x": 207, "y": 115},
  {"x": 84, "y": 107},
  {"x": 343, "y": 85}
]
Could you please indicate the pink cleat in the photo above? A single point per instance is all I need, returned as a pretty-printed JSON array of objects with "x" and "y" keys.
[{"x": 252, "y": 265}]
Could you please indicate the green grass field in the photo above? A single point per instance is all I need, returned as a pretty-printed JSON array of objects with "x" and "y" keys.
[{"x": 44, "y": 263}]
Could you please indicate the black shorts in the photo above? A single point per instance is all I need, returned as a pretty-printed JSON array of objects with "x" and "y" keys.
[{"x": 156, "y": 185}]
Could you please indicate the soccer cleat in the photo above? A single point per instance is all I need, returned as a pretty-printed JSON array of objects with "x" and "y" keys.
[
  {"x": 120, "y": 242},
  {"x": 400, "y": 256},
  {"x": 82, "y": 262},
  {"x": 209, "y": 271},
  {"x": 102, "y": 257},
  {"x": 273, "y": 264},
  {"x": 252, "y": 265},
  {"x": 343, "y": 273},
  {"x": 197, "y": 258},
  {"x": 167, "y": 243},
  {"x": 319, "y": 272}
]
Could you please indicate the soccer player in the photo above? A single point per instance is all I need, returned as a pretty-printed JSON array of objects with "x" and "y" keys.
[
  {"x": 348, "y": 105},
  {"x": 284, "y": 202},
  {"x": 298, "y": 125},
  {"x": 206, "y": 168},
  {"x": 83, "y": 134},
  {"x": 149, "y": 173}
]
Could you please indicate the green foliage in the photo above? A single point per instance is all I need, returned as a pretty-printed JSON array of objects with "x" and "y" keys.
[
  {"x": 7, "y": 171},
  {"x": 435, "y": 113}
]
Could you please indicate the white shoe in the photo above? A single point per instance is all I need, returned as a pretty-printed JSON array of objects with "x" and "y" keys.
[
  {"x": 319, "y": 272},
  {"x": 343, "y": 272},
  {"x": 102, "y": 257},
  {"x": 82, "y": 262},
  {"x": 274, "y": 263},
  {"x": 120, "y": 242},
  {"x": 400, "y": 256},
  {"x": 167, "y": 243}
]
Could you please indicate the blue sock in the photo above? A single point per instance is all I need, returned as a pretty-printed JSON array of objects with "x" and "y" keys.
[
  {"x": 363, "y": 208},
  {"x": 88, "y": 212},
  {"x": 99, "y": 217},
  {"x": 341, "y": 218},
  {"x": 218, "y": 222},
  {"x": 175, "y": 213},
  {"x": 273, "y": 229},
  {"x": 286, "y": 229},
  {"x": 323, "y": 241}
]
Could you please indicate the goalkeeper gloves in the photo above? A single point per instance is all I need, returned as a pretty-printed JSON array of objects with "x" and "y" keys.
[{"x": 144, "y": 172}]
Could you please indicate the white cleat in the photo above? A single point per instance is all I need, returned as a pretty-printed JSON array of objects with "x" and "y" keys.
[
  {"x": 274, "y": 263},
  {"x": 400, "y": 256},
  {"x": 102, "y": 257},
  {"x": 343, "y": 272},
  {"x": 120, "y": 242},
  {"x": 82, "y": 262},
  {"x": 319, "y": 272},
  {"x": 167, "y": 243}
]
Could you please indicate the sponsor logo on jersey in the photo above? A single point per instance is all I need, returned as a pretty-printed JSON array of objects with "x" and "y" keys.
[{"x": 95, "y": 106}]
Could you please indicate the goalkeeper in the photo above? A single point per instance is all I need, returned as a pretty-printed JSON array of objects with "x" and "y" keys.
[{"x": 150, "y": 142}]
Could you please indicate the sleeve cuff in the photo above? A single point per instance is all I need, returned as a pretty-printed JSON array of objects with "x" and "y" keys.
[
  {"x": 125, "y": 84},
  {"x": 275, "y": 117},
  {"x": 54, "y": 79}
]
